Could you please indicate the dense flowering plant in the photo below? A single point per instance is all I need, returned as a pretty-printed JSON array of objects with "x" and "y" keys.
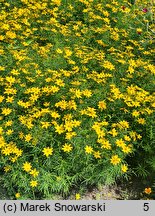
[{"x": 76, "y": 94}]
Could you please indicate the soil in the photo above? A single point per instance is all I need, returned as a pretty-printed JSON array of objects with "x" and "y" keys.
[
  {"x": 122, "y": 190},
  {"x": 129, "y": 190}
]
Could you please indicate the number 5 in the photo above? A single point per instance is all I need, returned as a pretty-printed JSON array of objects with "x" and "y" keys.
[{"x": 146, "y": 207}]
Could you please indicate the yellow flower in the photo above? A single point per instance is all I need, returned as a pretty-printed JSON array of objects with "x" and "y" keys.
[
  {"x": 6, "y": 151},
  {"x": 115, "y": 160},
  {"x": 7, "y": 168},
  {"x": 87, "y": 93},
  {"x": 91, "y": 112},
  {"x": 59, "y": 51},
  {"x": 97, "y": 154},
  {"x": 6, "y": 111},
  {"x": 1, "y": 98},
  {"x": 54, "y": 114},
  {"x": 45, "y": 124},
  {"x": 62, "y": 104},
  {"x": 68, "y": 126},
  {"x": 69, "y": 135},
  {"x": 34, "y": 173},
  {"x": 77, "y": 196},
  {"x": 72, "y": 105},
  {"x": 148, "y": 190},
  {"x": 10, "y": 79},
  {"x": 77, "y": 93},
  {"x": 27, "y": 166},
  {"x": 60, "y": 82},
  {"x": 8, "y": 123},
  {"x": 68, "y": 52},
  {"x": 1, "y": 37},
  {"x": 113, "y": 132},
  {"x": 11, "y": 35},
  {"x": 123, "y": 124},
  {"x": 10, "y": 91},
  {"x": 9, "y": 132},
  {"x": 33, "y": 183},
  {"x": 120, "y": 143},
  {"x": 141, "y": 121},
  {"x": 59, "y": 129},
  {"x": 88, "y": 149},
  {"x": 108, "y": 65},
  {"x": 9, "y": 99},
  {"x": 127, "y": 149},
  {"x": 139, "y": 136},
  {"x": 124, "y": 168},
  {"x": 105, "y": 143},
  {"x": 21, "y": 135},
  {"x": 47, "y": 151},
  {"x": 67, "y": 147},
  {"x": 28, "y": 137},
  {"x": 135, "y": 113},
  {"x": 102, "y": 105},
  {"x": 127, "y": 138},
  {"x": 17, "y": 195},
  {"x": 46, "y": 104}
]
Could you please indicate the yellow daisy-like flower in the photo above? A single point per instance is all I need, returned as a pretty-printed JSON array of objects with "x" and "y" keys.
[
  {"x": 127, "y": 138},
  {"x": 77, "y": 196},
  {"x": 33, "y": 183},
  {"x": 27, "y": 166},
  {"x": 115, "y": 160},
  {"x": 28, "y": 137},
  {"x": 113, "y": 132},
  {"x": 102, "y": 105},
  {"x": 67, "y": 147},
  {"x": 47, "y": 151},
  {"x": 11, "y": 35},
  {"x": 17, "y": 195},
  {"x": 34, "y": 173},
  {"x": 88, "y": 149},
  {"x": 1, "y": 99},
  {"x": 69, "y": 135},
  {"x": 135, "y": 113},
  {"x": 141, "y": 121},
  {"x": 124, "y": 168},
  {"x": 6, "y": 111},
  {"x": 7, "y": 168},
  {"x": 59, "y": 51},
  {"x": 97, "y": 154},
  {"x": 45, "y": 124}
]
